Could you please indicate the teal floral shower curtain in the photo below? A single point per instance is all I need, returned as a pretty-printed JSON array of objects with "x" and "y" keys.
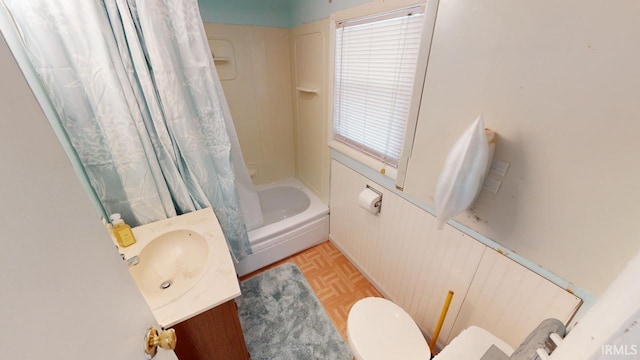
[{"x": 134, "y": 87}]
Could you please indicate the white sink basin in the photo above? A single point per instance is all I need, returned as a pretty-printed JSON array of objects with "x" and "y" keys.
[
  {"x": 170, "y": 265},
  {"x": 190, "y": 251}
]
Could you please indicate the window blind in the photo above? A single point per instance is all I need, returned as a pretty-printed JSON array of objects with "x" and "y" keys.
[{"x": 375, "y": 64}]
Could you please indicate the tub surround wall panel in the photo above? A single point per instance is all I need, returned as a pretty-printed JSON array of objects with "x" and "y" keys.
[
  {"x": 558, "y": 82},
  {"x": 256, "y": 80},
  {"x": 309, "y": 45},
  {"x": 415, "y": 265}
]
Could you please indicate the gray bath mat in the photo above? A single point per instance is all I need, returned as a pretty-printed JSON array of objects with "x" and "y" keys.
[{"x": 283, "y": 320}]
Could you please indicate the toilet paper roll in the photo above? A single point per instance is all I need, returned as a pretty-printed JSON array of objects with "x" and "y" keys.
[{"x": 368, "y": 199}]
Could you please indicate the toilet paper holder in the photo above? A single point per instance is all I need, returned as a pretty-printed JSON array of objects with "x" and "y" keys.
[{"x": 378, "y": 203}]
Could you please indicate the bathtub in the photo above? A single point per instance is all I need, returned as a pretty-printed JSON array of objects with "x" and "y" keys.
[{"x": 294, "y": 220}]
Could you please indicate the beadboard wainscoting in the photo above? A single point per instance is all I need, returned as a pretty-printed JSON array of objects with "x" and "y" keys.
[{"x": 415, "y": 265}]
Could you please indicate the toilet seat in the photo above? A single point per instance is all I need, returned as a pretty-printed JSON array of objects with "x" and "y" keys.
[{"x": 378, "y": 329}]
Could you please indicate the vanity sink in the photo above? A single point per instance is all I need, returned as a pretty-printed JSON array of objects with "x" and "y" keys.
[
  {"x": 182, "y": 266},
  {"x": 170, "y": 265}
]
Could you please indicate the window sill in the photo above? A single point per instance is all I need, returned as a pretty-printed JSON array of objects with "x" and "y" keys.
[{"x": 369, "y": 161}]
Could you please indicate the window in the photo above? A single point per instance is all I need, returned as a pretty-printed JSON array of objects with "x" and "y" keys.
[{"x": 375, "y": 65}]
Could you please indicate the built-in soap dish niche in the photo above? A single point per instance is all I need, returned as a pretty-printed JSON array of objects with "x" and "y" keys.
[
  {"x": 308, "y": 90},
  {"x": 224, "y": 58}
]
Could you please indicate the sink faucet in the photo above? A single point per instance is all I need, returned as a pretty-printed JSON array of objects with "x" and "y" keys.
[{"x": 133, "y": 261}]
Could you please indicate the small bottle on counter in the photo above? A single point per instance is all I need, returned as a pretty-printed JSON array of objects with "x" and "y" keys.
[{"x": 122, "y": 231}]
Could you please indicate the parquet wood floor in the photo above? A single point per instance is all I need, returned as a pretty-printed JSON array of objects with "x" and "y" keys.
[{"x": 336, "y": 282}]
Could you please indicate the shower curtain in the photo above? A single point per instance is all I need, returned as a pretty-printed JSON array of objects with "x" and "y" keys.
[{"x": 135, "y": 89}]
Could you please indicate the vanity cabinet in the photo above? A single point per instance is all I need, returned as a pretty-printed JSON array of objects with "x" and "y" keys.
[{"x": 212, "y": 335}]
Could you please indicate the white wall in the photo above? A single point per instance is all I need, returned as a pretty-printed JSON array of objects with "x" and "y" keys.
[{"x": 559, "y": 82}]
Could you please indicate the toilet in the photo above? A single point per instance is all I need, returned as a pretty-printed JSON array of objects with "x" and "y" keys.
[{"x": 378, "y": 329}]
